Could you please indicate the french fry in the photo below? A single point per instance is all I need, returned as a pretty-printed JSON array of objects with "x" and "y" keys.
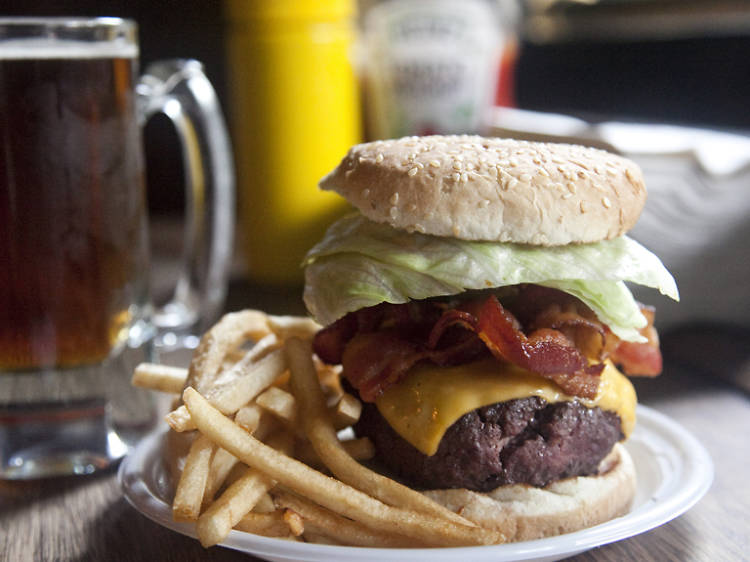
[
  {"x": 328, "y": 492},
  {"x": 248, "y": 417},
  {"x": 255, "y": 377},
  {"x": 265, "y": 504},
  {"x": 226, "y": 335},
  {"x": 346, "y": 412},
  {"x": 237, "y": 361},
  {"x": 217, "y": 521},
  {"x": 294, "y": 521},
  {"x": 236, "y": 472},
  {"x": 361, "y": 449},
  {"x": 330, "y": 380},
  {"x": 191, "y": 487},
  {"x": 270, "y": 524},
  {"x": 322, "y": 435},
  {"x": 179, "y": 419},
  {"x": 233, "y": 395},
  {"x": 221, "y": 464},
  {"x": 322, "y": 521},
  {"x": 293, "y": 326},
  {"x": 278, "y": 402},
  {"x": 159, "y": 377}
]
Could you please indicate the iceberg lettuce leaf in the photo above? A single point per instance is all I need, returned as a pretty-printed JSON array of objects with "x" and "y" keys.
[{"x": 361, "y": 263}]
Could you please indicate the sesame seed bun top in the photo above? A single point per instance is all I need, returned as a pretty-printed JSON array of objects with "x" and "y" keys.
[{"x": 492, "y": 189}]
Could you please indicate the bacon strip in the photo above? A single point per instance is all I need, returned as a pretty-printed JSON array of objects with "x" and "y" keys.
[
  {"x": 555, "y": 337},
  {"x": 447, "y": 320},
  {"x": 546, "y": 352},
  {"x": 640, "y": 359},
  {"x": 373, "y": 361}
]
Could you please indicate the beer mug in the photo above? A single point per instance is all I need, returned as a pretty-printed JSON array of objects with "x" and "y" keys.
[{"x": 75, "y": 312}]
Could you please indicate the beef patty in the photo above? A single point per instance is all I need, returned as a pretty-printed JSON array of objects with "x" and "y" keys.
[{"x": 520, "y": 441}]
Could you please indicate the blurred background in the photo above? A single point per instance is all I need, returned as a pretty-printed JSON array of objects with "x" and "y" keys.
[
  {"x": 591, "y": 71},
  {"x": 677, "y": 61}
]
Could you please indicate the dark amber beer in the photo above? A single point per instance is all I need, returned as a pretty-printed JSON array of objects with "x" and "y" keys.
[
  {"x": 76, "y": 316},
  {"x": 71, "y": 206}
]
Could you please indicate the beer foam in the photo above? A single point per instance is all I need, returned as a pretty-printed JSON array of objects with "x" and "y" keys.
[{"x": 42, "y": 48}]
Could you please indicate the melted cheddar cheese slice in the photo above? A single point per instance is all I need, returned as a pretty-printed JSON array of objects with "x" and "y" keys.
[{"x": 430, "y": 399}]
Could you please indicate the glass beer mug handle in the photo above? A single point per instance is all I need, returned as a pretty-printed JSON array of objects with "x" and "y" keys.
[{"x": 180, "y": 90}]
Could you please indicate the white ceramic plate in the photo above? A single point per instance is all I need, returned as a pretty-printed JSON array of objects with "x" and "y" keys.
[{"x": 674, "y": 471}]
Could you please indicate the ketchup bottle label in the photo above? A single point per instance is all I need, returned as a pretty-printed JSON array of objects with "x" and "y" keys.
[{"x": 431, "y": 67}]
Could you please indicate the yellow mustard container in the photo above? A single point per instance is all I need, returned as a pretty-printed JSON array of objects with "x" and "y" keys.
[{"x": 295, "y": 111}]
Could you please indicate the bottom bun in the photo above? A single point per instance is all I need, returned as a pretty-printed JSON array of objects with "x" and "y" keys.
[{"x": 522, "y": 512}]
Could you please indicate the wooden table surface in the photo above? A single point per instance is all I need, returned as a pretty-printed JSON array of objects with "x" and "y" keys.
[{"x": 87, "y": 517}]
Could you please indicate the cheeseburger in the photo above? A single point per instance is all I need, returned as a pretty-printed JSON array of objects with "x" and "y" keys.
[{"x": 477, "y": 303}]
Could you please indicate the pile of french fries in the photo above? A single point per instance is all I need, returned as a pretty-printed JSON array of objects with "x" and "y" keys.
[{"x": 263, "y": 417}]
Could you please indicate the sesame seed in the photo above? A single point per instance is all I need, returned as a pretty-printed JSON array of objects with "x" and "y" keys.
[
  {"x": 526, "y": 178},
  {"x": 513, "y": 162},
  {"x": 583, "y": 206},
  {"x": 571, "y": 187},
  {"x": 629, "y": 175},
  {"x": 512, "y": 182},
  {"x": 393, "y": 212},
  {"x": 567, "y": 196},
  {"x": 581, "y": 164},
  {"x": 361, "y": 159},
  {"x": 464, "y": 177},
  {"x": 457, "y": 165},
  {"x": 456, "y": 176},
  {"x": 379, "y": 158},
  {"x": 413, "y": 171},
  {"x": 435, "y": 163},
  {"x": 606, "y": 202},
  {"x": 394, "y": 198}
]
